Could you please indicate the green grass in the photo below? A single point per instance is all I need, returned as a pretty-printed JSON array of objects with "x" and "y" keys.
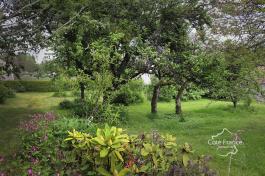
[
  {"x": 19, "y": 109},
  {"x": 203, "y": 118}
]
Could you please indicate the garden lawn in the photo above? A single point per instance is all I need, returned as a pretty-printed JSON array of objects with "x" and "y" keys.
[
  {"x": 19, "y": 109},
  {"x": 205, "y": 118}
]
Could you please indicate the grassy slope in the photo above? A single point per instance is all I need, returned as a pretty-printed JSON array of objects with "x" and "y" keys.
[
  {"x": 18, "y": 109},
  {"x": 204, "y": 119}
]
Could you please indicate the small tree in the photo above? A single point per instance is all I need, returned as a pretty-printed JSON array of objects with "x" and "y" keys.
[{"x": 239, "y": 74}]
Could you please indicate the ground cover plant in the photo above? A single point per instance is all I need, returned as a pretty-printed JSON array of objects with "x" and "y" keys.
[{"x": 204, "y": 118}]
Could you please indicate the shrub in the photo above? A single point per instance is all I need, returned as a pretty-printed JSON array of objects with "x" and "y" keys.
[
  {"x": 66, "y": 104},
  {"x": 130, "y": 93},
  {"x": 3, "y": 93},
  {"x": 30, "y": 86},
  {"x": 167, "y": 93},
  {"x": 117, "y": 153},
  {"x": 11, "y": 93},
  {"x": 127, "y": 97},
  {"x": 193, "y": 93},
  {"x": 98, "y": 112},
  {"x": 46, "y": 150}
]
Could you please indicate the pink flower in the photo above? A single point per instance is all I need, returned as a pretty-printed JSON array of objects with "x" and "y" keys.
[
  {"x": 2, "y": 159},
  {"x": 34, "y": 149},
  {"x": 30, "y": 172},
  {"x": 34, "y": 161},
  {"x": 2, "y": 174}
]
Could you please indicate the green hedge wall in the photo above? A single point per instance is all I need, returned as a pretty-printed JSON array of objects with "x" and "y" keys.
[{"x": 30, "y": 86}]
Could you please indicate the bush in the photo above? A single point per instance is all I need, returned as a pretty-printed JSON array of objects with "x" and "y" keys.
[
  {"x": 98, "y": 112},
  {"x": 167, "y": 93},
  {"x": 127, "y": 97},
  {"x": 30, "y": 86},
  {"x": 47, "y": 150},
  {"x": 146, "y": 154},
  {"x": 66, "y": 104},
  {"x": 193, "y": 93},
  {"x": 130, "y": 93},
  {"x": 11, "y": 93},
  {"x": 3, "y": 93}
]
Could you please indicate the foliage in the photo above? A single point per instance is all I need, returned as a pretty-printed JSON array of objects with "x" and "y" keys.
[
  {"x": 3, "y": 93},
  {"x": 112, "y": 152},
  {"x": 43, "y": 151},
  {"x": 193, "y": 92},
  {"x": 15, "y": 85},
  {"x": 237, "y": 75},
  {"x": 66, "y": 104},
  {"x": 167, "y": 93},
  {"x": 29, "y": 86},
  {"x": 111, "y": 114},
  {"x": 11, "y": 93},
  {"x": 129, "y": 93}
]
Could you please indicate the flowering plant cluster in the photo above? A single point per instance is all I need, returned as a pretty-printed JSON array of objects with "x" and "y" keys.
[
  {"x": 46, "y": 150},
  {"x": 37, "y": 121}
]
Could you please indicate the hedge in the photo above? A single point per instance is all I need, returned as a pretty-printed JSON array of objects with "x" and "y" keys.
[{"x": 30, "y": 86}]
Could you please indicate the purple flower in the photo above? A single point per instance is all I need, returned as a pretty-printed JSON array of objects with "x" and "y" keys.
[
  {"x": 36, "y": 121},
  {"x": 30, "y": 172},
  {"x": 2, "y": 174},
  {"x": 2, "y": 159},
  {"x": 34, "y": 148},
  {"x": 34, "y": 161}
]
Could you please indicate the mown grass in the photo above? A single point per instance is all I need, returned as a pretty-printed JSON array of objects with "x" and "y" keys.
[{"x": 203, "y": 118}]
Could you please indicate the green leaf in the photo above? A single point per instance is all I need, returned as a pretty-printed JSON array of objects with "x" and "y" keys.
[
  {"x": 185, "y": 159},
  {"x": 144, "y": 152},
  {"x": 103, "y": 171},
  {"x": 124, "y": 172},
  {"x": 104, "y": 152},
  {"x": 119, "y": 155}
]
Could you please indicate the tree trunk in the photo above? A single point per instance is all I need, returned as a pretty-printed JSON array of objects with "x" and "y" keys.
[
  {"x": 234, "y": 103},
  {"x": 154, "y": 100},
  {"x": 178, "y": 100},
  {"x": 82, "y": 91}
]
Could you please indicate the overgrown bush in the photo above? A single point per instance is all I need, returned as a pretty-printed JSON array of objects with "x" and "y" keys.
[
  {"x": 30, "y": 86},
  {"x": 11, "y": 93},
  {"x": 66, "y": 104},
  {"x": 46, "y": 150},
  {"x": 113, "y": 152},
  {"x": 108, "y": 113},
  {"x": 130, "y": 93},
  {"x": 3, "y": 93}
]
